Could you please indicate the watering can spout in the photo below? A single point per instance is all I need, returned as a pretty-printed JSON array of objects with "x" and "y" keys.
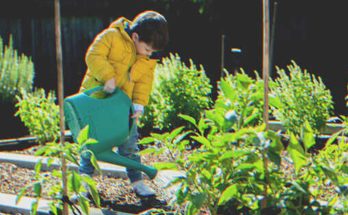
[{"x": 115, "y": 158}]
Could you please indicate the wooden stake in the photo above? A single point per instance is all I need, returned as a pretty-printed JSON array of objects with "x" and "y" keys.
[
  {"x": 222, "y": 55},
  {"x": 60, "y": 97},
  {"x": 275, "y": 7},
  {"x": 265, "y": 70},
  {"x": 265, "y": 59}
]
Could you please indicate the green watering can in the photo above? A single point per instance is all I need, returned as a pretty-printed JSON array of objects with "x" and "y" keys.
[{"x": 109, "y": 123}]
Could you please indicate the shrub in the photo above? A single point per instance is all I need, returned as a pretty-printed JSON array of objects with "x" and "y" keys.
[
  {"x": 177, "y": 89},
  {"x": 302, "y": 97},
  {"x": 240, "y": 98},
  {"x": 16, "y": 72},
  {"x": 39, "y": 114}
]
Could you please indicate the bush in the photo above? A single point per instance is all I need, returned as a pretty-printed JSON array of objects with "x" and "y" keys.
[
  {"x": 177, "y": 89},
  {"x": 240, "y": 98},
  {"x": 16, "y": 72},
  {"x": 39, "y": 114},
  {"x": 302, "y": 97}
]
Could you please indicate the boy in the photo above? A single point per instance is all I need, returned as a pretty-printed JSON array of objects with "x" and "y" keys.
[{"x": 119, "y": 57}]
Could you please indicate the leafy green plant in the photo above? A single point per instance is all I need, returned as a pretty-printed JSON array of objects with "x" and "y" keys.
[
  {"x": 75, "y": 181},
  {"x": 240, "y": 98},
  {"x": 315, "y": 177},
  {"x": 238, "y": 165},
  {"x": 227, "y": 168},
  {"x": 39, "y": 114},
  {"x": 16, "y": 72},
  {"x": 177, "y": 89},
  {"x": 302, "y": 97}
]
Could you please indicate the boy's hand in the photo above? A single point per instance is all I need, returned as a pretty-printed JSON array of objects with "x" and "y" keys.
[
  {"x": 136, "y": 115},
  {"x": 110, "y": 85}
]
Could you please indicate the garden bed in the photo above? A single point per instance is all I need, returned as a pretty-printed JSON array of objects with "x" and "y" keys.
[{"x": 116, "y": 193}]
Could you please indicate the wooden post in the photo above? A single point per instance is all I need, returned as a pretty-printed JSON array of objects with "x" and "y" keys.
[
  {"x": 222, "y": 55},
  {"x": 275, "y": 7},
  {"x": 60, "y": 97},
  {"x": 265, "y": 72},
  {"x": 265, "y": 59}
]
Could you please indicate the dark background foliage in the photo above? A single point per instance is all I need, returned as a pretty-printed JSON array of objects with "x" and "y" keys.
[{"x": 310, "y": 32}]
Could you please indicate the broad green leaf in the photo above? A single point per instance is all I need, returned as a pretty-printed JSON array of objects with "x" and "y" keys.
[
  {"x": 333, "y": 201},
  {"x": 34, "y": 206},
  {"x": 298, "y": 187},
  {"x": 84, "y": 204},
  {"x": 296, "y": 153},
  {"x": 251, "y": 118},
  {"x": 146, "y": 140},
  {"x": 95, "y": 194},
  {"x": 175, "y": 132},
  {"x": 308, "y": 136},
  {"x": 190, "y": 209},
  {"x": 230, "y": 192},
  {"x": 83, "y": 135},
  {"x": 71, "y": 157},
  {"x": 91, "y": 141},
  {"x": 180, "y": 137},
  {"x": 274, "y": 157},
  {"x": 21, "y": 193},
  {"x": 201, "y": 139},
  {"x": 49, "y": 161},
  {"x": 276, "y": 145},
  {"x": 227, "y": 90},
  {"x": 41, "y": 150},
  {"x": 330, "y": 173},
  {"x": 198, "y": 199},
  {"x": 95, "y": 162},
  {"x": 202, "y": 125},
  {"x": 245, "y": 167},
  {"x": 149, "y": 150},
  {"x": 189, "y": 119},
  {"x": 38, "y": 166},
  {"x": 75, "y": 181},
  {"x": 165, "y": 165},
  {"x": 37, "y": 188},
  {"x": 206, "y": 174},
  {"x": 226, "y": 155}
]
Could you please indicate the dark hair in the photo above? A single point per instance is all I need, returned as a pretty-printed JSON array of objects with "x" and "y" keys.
[{"x": 152, "y": 29}]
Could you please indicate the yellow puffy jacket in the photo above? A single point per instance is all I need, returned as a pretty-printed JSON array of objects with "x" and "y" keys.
[{"x": 113, "y": 55}]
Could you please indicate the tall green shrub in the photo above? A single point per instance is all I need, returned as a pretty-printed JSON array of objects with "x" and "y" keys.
[
  {"x": 40, "y": 114},
  {"x": 16, "y": 72},
  {"x": 240, "y": 98},
  {"x": 302, "y": 97},
  {"x": 177, "y": 89}
]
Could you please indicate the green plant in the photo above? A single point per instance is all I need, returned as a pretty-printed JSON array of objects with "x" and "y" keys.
[
  {"x": 177, "y": 89},
  {"x": 240, "y": 98},
  {"x": 75, "y": 181},
  {"x": 228, "y": 167},
  {"x": 320, "y": 181},
  {"x": 16, "y": 72},
  {"x": 39, "y": 114},
  {"x": 302, "y": 97}
]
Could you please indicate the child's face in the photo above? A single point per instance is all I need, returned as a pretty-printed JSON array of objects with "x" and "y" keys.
[{"x": 141, "y": 47}]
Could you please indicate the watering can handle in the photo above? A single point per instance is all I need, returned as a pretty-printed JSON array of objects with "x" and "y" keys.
[{"x": 95, "y": 89}]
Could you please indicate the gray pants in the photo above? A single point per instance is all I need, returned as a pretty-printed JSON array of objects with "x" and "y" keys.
[{"x": 129, "y": 149}]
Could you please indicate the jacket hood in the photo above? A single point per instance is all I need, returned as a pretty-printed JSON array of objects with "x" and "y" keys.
[{"x": 120, "y": 23}]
